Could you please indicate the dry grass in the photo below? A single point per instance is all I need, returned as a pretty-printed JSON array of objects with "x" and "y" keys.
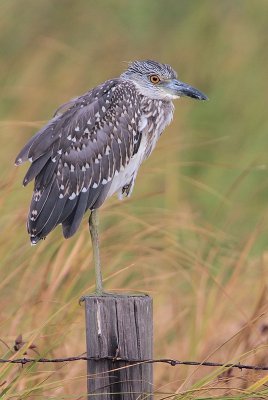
[{"x": 193, "y": 235}]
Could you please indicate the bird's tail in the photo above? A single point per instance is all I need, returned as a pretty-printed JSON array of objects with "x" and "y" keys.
[{"x": 48, "y": 209}]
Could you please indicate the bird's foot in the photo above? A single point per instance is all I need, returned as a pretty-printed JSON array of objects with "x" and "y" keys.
[
  {"x": 109, "y": 294},
  {"x": 98, "y": 294}
]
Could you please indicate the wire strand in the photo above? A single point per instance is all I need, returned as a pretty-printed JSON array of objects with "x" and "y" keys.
[{"x": 169, "y": 361}]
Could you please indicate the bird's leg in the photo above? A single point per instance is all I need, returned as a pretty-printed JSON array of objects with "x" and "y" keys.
[{"x": 93, "y": 229}]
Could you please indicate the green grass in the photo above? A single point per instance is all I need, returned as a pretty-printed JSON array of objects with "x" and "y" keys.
[{"x": 193, "y": 234}]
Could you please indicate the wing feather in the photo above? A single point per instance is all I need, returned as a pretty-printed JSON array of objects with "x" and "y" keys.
[
  {"x": 45, "y": 132},
  {"x": 76, "y": 155},
  {"x": 35, "y": 168}
]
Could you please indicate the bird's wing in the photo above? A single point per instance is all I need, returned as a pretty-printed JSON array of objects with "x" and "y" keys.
[{"x": 77, "y": 154}]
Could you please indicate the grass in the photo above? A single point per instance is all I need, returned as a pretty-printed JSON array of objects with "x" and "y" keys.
[{"x": 194, "y": 233}]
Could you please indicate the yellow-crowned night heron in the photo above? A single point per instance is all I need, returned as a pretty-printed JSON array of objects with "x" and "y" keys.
[{"x": 94, "y": 146}]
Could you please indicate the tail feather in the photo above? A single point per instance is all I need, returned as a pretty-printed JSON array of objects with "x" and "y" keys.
[
  {"x": 88, "y": 200},
  {"x": 97, "y": 202},
  {"x": 93, "y": 195},
  {"x": 71, "y": 224},
  {"x": 41, "y": 208},
  {"x": 52, "y": 220},
  {"x": 39, "y": 199},
  {"x": 50, "y": 210},
  {"x": 67, "y": 210}
]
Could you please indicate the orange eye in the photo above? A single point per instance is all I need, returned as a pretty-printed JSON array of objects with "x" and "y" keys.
[{"x": 154, "y": 79}]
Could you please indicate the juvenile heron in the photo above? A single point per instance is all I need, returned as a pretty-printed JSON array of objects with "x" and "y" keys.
[{"x": 93, "y": 147}]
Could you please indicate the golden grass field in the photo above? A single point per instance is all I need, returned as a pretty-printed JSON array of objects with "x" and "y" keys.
[{"x": 194, "y": 233}]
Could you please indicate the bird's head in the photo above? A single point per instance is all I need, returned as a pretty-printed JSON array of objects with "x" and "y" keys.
[{"x": 159, "y": 81}]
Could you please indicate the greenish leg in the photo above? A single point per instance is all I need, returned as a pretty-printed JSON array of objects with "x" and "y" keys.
[{"x": 93, "y": 228}]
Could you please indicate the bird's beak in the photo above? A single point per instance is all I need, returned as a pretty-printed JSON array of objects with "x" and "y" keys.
[{"x": 179, "y": 89}]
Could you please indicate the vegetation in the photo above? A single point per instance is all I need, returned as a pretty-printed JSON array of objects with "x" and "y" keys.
[{"x": 193, "y": 234}]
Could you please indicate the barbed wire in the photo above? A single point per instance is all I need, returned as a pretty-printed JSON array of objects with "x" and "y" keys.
[{"x": 169, "y": 361}]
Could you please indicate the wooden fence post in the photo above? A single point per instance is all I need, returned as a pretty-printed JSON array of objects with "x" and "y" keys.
[{"x": 119, "y": 326}]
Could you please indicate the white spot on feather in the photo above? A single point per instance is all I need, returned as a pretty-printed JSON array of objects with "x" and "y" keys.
[
  {"x": 107, "y": 151},
  {"x": 143, "y": 122},
  {"x": 73, "y": 196}
]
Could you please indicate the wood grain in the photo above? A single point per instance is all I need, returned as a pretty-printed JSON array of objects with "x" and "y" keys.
[{"x": 121, "y": 327}]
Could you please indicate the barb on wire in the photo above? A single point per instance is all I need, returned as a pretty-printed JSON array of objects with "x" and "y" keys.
[{"x": 169, "y": 361}]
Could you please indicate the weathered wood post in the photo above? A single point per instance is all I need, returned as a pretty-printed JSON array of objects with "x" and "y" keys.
[{"x": 119, "y": 327}]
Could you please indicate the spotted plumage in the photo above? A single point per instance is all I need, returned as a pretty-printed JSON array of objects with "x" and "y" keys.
[{"x": 95, "y": 144}]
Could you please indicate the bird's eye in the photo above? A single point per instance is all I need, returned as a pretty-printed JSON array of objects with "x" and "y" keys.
[{"x": 154, "y": 79}]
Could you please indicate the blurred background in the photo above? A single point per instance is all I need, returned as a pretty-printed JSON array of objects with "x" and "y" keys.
[{"x": 194, "y": 233}]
